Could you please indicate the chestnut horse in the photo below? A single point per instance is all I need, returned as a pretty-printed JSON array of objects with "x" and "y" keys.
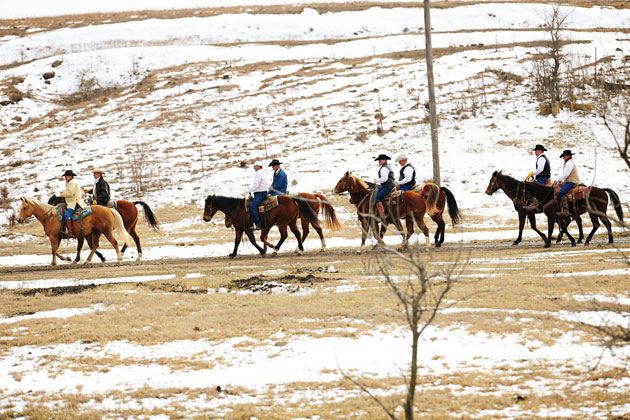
[
  {"x": 285, "y": 215},
  {"x": 317, "y": 201},
  {"x": 412, "y": 208},
  {"x": 102, "y": 221},
  {"x": 129, "y": 214}
]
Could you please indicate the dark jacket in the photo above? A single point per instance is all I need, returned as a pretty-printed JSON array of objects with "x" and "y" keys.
[
  {"x": 546, "y": 172},
  {"x": 280, "y": 183},
  {"x": 101, "y": 192}
]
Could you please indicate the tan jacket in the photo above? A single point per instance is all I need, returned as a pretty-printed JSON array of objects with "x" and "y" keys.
[
  {"x": 73, "y": 195},
  {"x": 573, "y": 176}
]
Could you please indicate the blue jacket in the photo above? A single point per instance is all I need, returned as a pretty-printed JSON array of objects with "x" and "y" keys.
[{"x": 280, "y": 183}]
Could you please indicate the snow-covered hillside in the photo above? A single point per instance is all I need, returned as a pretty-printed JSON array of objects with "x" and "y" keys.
[{"x": 190, "y": 98}]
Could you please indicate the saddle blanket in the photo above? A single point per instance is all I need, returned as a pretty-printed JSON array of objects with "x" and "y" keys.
[
  {"x": 271, "y": 202},
  {"x": 77, "y": 215},
  {"x": 579, "y": 192}
]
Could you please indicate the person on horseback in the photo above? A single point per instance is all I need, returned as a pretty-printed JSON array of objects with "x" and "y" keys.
[
  {"x": 280, "y": 182},
  {"x": 543, "y": 167},
  {"x": 259, "y": 188},
  {"x": 569, "y": 177},
  {"x": 407, "y": 177},
  {"x": 100, "y": 189},
  {"x": 74, "y": 200},
  {"x": 384, "y": 184}
]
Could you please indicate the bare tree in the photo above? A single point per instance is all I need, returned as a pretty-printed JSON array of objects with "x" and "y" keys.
[
  {"x": 430, "y": 86},
  {"x": 622, "y": 146},
  {"x": 421, "y": 292},
  {"x": 137, "y": 162}
]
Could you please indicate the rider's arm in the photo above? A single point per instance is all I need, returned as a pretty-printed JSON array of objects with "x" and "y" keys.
[
  {"x": 408, "y": 174},
  {"x": 567, "y": 171},
  {"x": 540, "y": 166},
  {"x": 383, "y": 178}
]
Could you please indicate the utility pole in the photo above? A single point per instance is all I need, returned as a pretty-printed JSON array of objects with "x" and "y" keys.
[{"x": 432, "y": 110}]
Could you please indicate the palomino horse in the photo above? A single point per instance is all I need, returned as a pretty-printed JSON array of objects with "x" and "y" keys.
[
  {"x": 129, "y": 214},
  {"x": 514, "y": 189},
  {"x": 315, "y": 201},
  {"x": 285, "y": 215},
  {"x": 595, "y": 203},
  {"x": 102, "y": 221},
  {"x": 412, "y": 208}
]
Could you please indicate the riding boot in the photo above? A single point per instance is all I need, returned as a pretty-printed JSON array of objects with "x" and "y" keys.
[
  {"x": 63, "y": 233},
  {"x": 381, "y": 210},
  {"x": 69, "y": 225},
  {"x": 532, "y": 207},
  {"x": 565, "y": 206}
]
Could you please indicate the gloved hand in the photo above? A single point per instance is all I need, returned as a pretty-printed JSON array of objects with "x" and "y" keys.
[{"x": 530, "y": 175}]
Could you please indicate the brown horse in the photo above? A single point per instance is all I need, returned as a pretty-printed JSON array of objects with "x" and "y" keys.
[
  {"x": 412, "y": 208},
  {"x": 129, "y": 214},
  {"x": 102, "y": 221},
  {"x": 285, "y": 215}
]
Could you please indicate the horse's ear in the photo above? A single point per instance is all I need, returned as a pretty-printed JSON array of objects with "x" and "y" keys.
[{"x": 23, "y": 199}]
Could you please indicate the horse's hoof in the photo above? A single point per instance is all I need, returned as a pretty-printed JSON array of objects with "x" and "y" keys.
[
  {"x": 87, "y": 262},
  {"x": 437, "y": 244},
  {"x": 573, "y": 244},
  {"x": 547, "y": 245},
  {"x": 231, "y": 255},
  {"x": 67, "y": 259},
  {"x": 516, "y": 243},
  {"x": 322, "y": 250},
  {"x": 74, "y": 262},
  {"x": 587, "y": 243}
]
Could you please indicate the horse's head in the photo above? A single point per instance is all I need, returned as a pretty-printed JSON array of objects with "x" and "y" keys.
[
  {"x": 55, "y": 200},
  {"x": 493, "y": 185},
  {"x": 210, "y": 209},
  {"x": 344, "y": 183},
  {"x": 27, "y": 209}
]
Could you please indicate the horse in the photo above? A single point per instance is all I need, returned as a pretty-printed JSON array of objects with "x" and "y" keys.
[
  {"x": 516, "y": 191},
  {"x": 286, "y": 214},
  {"x": 129, "y": 214},
  {"x": 437, "y": 198},
  {"x": 509, "y": 185},
  {"x": 412, "y": 208},
  {"x": 595, "y": 203},
  {"x": 102, "y": 221}
]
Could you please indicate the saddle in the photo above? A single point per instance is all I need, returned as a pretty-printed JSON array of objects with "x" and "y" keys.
[
  {"x": 77, "y": 215},
  {"x": 269, "y": 203},
  {"x": 578, "y": 192}
]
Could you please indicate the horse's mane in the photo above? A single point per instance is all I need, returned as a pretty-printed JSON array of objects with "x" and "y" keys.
[
  {"x": 361, "y": 182},
  {"x": 42, "y": 205},
  {"x": 227, "y": 202}
]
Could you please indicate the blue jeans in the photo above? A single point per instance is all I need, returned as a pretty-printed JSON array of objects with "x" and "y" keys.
[
  {"x": 542, "y": 181},
  {"x": 381, "y": 193},
  {"x": 69, "y": 212},
  {"x": 406, "y": 187},
  {"x": 259, "y": 197},
  {"x": 566, "y": 187}
]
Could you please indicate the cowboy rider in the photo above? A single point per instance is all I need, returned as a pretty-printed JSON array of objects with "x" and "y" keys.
[
  {"x": 543, "y": 167},
  {"x": 100, "y": 189},
  {"x": 384, "y": 184},
  {"x": 74, "y": 200},
  {"x": 259, "y": 188},
  {"x": 570, "y": 178},
  {"x": 407, "y": 178},
  {"x": 280, "y": 182}
]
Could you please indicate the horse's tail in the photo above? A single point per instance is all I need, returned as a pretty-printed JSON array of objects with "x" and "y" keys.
[
  {"x": 616, "y": 203},
  {"x": 330, "y": 216},
  {"x": 120, "y": 233},
  {"x": 306, "y": 211},
  {"x": 432, "y": 197},
  {"x": 149, "y": 216},
  {"x": 453, "y": 209}
]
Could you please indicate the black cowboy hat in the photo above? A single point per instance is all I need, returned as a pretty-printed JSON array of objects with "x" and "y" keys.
[
  {"x": 566, "y": 152},
  {"x": 382, "y": 157},
  {"x": 69, "y": 173},
  {"x": 275, "y": 162},
  {"x": 540, "y": 147}
]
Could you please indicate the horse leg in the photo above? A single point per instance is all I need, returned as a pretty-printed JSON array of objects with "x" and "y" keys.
[
  {"x": 252, "y": 239},
  {"x": 320, "y": 232},
  {"x": 532, "y": 222},
  {"x": 95, "y": 237},
  {"x": 578, "y": 220},
  {"x": 441, "y": 227},
  {"x": 238, "y": 234},
  {"x": 263, "y": 238},
  {"x": 606, "y": 223},
  {"x": 564, "y": 225},
  {"x": 383, "y": 230},
  {"x": 112, "y": 240},
  {"x": 54, "y": 246},
  {"x": 364, "y": 232},
  {"x": 296, "y": 233},
  {"x": 521, "y": 225},
  {"x": 595, "y": 221},
  {"x": 80, "y": 240},
  {"x": 551, "y": 221},
  {"x": 283, "y": 236},
  {"x": 409, "y": 226},
  {"x": 423, "y": 228}
]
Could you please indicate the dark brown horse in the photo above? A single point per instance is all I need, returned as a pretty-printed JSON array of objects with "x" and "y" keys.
[
  {"x": 412, "y": 207},
  {"x": 285, "y": 215},
  {"x": 129, "y": 214},
  {"x": 516, "y": 190},
  {"x": 595, "y": 203},
  {"x": 102, "y": 221}
]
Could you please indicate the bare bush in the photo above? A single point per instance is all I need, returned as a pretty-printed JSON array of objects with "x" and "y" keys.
[
  {"x": 88, "y": 89},
  {"x": 4, "y": 198},
  {"x": 137, "y": 160}
]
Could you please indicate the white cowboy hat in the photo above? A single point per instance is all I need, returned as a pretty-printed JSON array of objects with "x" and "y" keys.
[
  {"x": 258, "y": 163},
  {"x": 98, "y": 170},
  {"x": 401, "y": 157}
]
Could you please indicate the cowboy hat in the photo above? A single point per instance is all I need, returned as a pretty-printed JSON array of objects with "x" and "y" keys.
[
  {"x": 258, "y": 163},
  {"x": 566, "y": 152},
  {"x": 401, "y": 157},
  {"x": 98, "y": 171},
  {"x": 275, "y": 162},
  {"x": 382, "y": 157},
  {"x": 69, "y": 173},
  {"x": 540, "y": 147}
]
